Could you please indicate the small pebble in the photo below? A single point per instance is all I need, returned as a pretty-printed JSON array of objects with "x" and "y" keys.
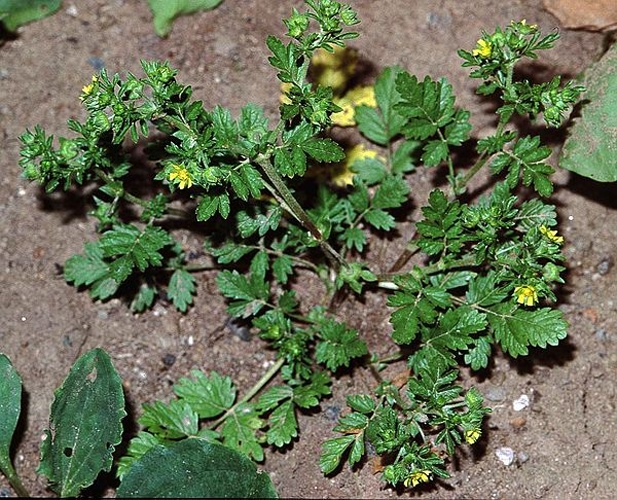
[
  {"x": 601, "y": 335},
  {"x": 332, "y": 412},
  {"x": 169, "y": 359},
  {"x": 495, "y": 394},
  {"x": 521, "y": 403},
  {"x": 605, "y": 265},
  {"x": 505, "y": 455},
  {"x": 518, "y": 422},
  {"x": 522, "y": 457},
  {"x": 96, "y": 62}
]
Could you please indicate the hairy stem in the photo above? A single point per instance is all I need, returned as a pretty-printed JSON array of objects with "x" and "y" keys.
[
  {"x": 266, "y": 377},
  {"x": 297, "y": 211}
]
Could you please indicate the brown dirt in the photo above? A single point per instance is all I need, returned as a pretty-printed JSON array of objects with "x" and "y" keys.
[{"x": 565, "y": 440}]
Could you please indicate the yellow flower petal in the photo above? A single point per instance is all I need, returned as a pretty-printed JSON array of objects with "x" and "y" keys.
[
  {"x": 333, "y": 69},
  {"x": 526, "y": 295},
  {"x": 483, "y": 48},
  {"x": 551, "y": 235},
  {"x": 358, "y": 96},
  {"x": 181, "y": 175}
]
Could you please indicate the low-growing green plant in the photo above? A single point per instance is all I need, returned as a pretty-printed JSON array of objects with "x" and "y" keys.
[{"x": 484, "y": 270}]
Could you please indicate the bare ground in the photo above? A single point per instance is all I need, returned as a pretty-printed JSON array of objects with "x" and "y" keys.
[{"x": 565, "y": 440}]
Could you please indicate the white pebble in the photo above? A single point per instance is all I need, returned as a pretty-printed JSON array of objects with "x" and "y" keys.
[
  {"x": 521, "y": 403},
  {"x": 505, "y": 455}
]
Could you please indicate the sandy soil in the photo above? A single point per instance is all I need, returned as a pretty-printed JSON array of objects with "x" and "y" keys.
[{"x": 565, "y": 440}]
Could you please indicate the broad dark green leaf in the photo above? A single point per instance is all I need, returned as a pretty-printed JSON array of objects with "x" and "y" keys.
[
  {"x": 194, "y": 468},
  {"x": 590, "y": 148},
  {"x": 10, "y": 408},
  {"x": 16, "y": 13},
  {"x": 85, "y": 425}
]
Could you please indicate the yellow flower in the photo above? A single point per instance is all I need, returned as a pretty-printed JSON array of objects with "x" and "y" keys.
[
  {"x": 472, "y": 435},
  {"x": 551, "y": 235},
  {"x": 87, "y": 89},
  {"x": 526, "y": 295},
  {"x": 340, "y": 174},
  {"x": 181, "y": 175},
  {"x": 333, "y": 69},
  {"x": 363, "y": 95},
  {"x": 343, "y": 176},
  {"x": 285, "y": 87},
  {"x": 483, "y": 48},
  {"x": 417, "y": 477}
]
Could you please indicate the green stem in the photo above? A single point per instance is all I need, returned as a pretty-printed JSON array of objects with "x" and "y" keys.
[
  {"x": 297, "y": 211},
  {"x": 13, "y": 479},
  {"x": 134, "y": 199},
  {"x": 266, "y": 377}
]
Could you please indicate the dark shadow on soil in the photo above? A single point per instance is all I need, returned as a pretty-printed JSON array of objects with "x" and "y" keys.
[
  {"x": 602, "y": 193},
  {"x": 549, "y": 357}
]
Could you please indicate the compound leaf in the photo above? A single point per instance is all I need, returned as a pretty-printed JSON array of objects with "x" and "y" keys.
[
  {"x": 181, "y": 289},
  {"x": 169, "y": 421},
  {"x": 208, "y": 396},
  {"x": 517, "y": 329}
]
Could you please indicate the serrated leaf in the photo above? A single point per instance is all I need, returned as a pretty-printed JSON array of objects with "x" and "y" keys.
[
  {"x": 144, "y": 298},
  {"x": 391, "y": 193},
  {"x": 230, "y": 252},
  {"x": 85, "y": 425},
  {"x": 143, "y": 247},
  {"x": 138, "y": 447},
  {"x": 273, "y": 397},
  {"x": 590, "y": 148},
  {"x": 405, "y": 323},
  {"x": 338, "y": 345},
  {"x": 434, "y": 152},
  {"x": 249, "y": 296},
  {"x": 309, "y": 395},
  {"x": 354, "y": 237},
  {"x": 169, "y": 421},
  {"x": 323, "y": 150},
  {"x": 282, "y": 268},
  {"x": 371, "y": 124},
  {"x": 402, "y": 161},
  {"x": 361, "y": 403},
  {"x": 352, "y": 423},
  {"x": 283, "y": 426},
  {"x": 456, "y": 328},
  {"x": 478, "y": 356},
  {"x": 240, "y": 431},
  {"x": 370, "y": 170},
  {"x": 209, "y": 396},
  {"x": 181, "y": 289},
  {"x": 517, "y": 329},
  {"x": 332, "y": 451},
  {"x": 193, "y": 468},
  {"x": 88, "y": 268},
  {"x": 380, "y": 219}
]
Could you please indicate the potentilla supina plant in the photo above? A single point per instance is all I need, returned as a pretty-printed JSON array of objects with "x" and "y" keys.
[{"x": 476, "y": 276}]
